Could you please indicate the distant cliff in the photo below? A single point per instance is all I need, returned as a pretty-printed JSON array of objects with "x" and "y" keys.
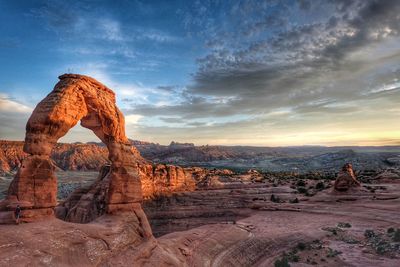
[
  {"x": 91, "y": 156},
  {"x": 65, "y": 156}
]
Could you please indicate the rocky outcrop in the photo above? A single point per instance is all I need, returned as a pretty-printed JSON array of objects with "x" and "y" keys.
[
  {"x": 11, "y": 155},
  {"x": 86, "y": 204},
  {"x": 163, "y": 180},
  {"x": 346, "y": 179},
  {"x": 76, "y": 98}
]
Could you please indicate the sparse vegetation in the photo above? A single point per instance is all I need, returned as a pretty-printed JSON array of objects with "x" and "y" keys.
[
  {"x": 344, "y": 225},
  {"x": 332, "y": 253},
  {"x": 301, "y": 246},
  {"x": 333, "y": 230},
  {"x": 380, "y": 244},
  {"x": 302, "y": 190},
  {"x": 283, "y": 262},
  {"x": 320, "y": 186},
  {"x": 301, "y": 183},
  {"x": 396, "y": 236}
]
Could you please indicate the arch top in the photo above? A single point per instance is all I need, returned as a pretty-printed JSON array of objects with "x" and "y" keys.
[
  {"x": 74, "y": 98},
  {"x": 87, "y": 79}
]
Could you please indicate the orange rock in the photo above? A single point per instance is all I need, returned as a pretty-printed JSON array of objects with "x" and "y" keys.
[
  {"x": 76, "y": 98},
  {"x": 165, "y": 179},
  {"x": 346, "y": 179},
  {"x": 35, "y": 182}
]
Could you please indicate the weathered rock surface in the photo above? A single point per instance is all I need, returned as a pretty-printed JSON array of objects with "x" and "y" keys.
[
  {"x": 158, "y": 181},
  {"x": 77, "y": 98},
  {"x": 346, "y": 179},
  {"x": 257, "y": 233},
  {"x": 53, "y": 242}
]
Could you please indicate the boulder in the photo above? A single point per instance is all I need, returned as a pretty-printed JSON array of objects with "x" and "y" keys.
[{"x": 346, "y": 179}]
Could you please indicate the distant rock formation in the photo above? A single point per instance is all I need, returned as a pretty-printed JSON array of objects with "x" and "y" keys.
[
  {"x": 346, "y": 179},
  {"x": 75, "y": 98}
]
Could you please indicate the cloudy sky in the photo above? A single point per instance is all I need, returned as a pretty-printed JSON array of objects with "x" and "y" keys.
[{"x": 271, "y": 73}]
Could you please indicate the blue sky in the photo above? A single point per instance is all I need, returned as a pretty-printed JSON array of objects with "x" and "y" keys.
[{"x": 213, "y": 72}]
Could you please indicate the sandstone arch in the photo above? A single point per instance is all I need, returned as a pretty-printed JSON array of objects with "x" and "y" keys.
[{"x": 75, "y": 98}]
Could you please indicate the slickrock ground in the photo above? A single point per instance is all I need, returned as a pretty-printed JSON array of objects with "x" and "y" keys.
[{"x": 234, "y": 223}]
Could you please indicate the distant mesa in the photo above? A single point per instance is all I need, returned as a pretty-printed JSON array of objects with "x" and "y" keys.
[{"x": 174, "y": 144}]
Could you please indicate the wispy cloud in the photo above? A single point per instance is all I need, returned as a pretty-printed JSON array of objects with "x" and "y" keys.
[{"x": 9, "y": 105}]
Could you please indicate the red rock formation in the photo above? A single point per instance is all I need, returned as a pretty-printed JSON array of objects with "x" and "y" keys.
[
  {"x": 76, "y": 98},
  {"x": 346, "y": 179},
  {"x": 74, "y": 157},
  {"x": 165, "y": 179},
  {"x": 11, "y": 155}
]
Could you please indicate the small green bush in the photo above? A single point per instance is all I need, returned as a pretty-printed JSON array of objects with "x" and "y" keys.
[
  {"x": 390, "y": 230},
  {"x": 301, "y": 246},
  {"x": 282, "y": 262},
  {"x": 301, "y": 183},
  {"x": 344, "y": 225},
  {"x": 320, "y": 186},
  {"x": 302, "y": 190},
  {"x": 396, "y": 237},
  {"x": 332, "y": 253},
  {"x": 369, "y": 233}
]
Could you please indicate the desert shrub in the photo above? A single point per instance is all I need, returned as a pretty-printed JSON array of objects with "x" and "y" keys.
[
  {"x": 309, "y": 194},
  {"x": 333, "y": 230},
  {"x": 344, "y": 225},
  {"x": 396, "y": 237},
  {"x": 283, "y": 262},
  {"x": 295, "y": 258},
  {"x": 390, "y": 230},
  {"x": 378, "y": 243},
  {"x": 301, "y": 246},
  {"x": 301, "y": 183},
  {"x": 302, "y": 190},
  {"x": 320, "y": 186},
  {"x": 369, "y": 233},
  {"x": 332, "y": 253},
  {"x": 296, "y": 200}
]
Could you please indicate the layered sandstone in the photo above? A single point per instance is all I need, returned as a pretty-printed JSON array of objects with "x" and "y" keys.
[
  {"x": 76, "y": 98},
  {"x": 158, "y": 181}
]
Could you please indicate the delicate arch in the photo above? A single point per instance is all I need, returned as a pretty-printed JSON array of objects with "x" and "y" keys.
[{"x": 76, "y": 98}]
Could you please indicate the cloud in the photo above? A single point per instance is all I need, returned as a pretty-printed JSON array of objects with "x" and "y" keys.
[
  {"x": 132, "y": 119},
  {"x": 245, "y": 70},
  {"x": 13, "y": 118},
  {"x": 8, "y": 105}
]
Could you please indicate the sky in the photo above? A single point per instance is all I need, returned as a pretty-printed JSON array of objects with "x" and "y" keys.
[{"x": 265, "y": 73}]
